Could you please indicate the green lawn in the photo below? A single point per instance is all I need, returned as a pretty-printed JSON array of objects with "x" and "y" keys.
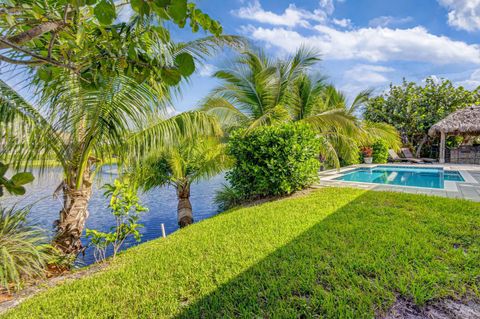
[{"x": 333, "y": 253}]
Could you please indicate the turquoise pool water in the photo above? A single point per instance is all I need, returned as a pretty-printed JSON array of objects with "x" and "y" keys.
[{"x": 405, "y": 176}]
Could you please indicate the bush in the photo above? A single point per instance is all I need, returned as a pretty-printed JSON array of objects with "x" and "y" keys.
[
  {"x": 126, "y": 209},
  {"x": 23, "y": 250},
  {"x": 273, "y": 160},
  {"x": 380, "y": 152},
  {"x": 227, "y": 198}
]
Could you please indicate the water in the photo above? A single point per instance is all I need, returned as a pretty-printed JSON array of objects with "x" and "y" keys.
[
  {"x": 404, "y": 176},
  {"x": 161, "y": 202}
]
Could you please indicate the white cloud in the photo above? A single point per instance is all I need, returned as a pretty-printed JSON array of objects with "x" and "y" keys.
[
  {"x": 463, "y": 14},
  {"x": 367, "y": 74},
  {"x": 327, "y": 5},
  {"x": 472, "y": 82},
  {"x": 291, "y": 17},
  {"x": 385, "y": 21},
  {"x": 344, "y": 23},
  {"x": 373, "y": 44},
  {"x": 207, "y": 70}
]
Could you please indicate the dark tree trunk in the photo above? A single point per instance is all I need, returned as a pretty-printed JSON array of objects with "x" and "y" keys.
[
  {"x": 424, "y": 140},
  {"x": 184, "y": 210},
  {"x": 70, "y": 225}
]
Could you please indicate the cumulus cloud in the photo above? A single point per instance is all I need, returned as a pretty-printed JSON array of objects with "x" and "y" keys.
[
  {"x": 463, "y": 14},
  {"x": 472, "y": 82},
  {"x": 385, "y": 21},
  {"x": 291, "y": 17},
  {"x": 367, "y": 74},
  {"x": 344, "y": 23},
  {"x": 372, "y": 44}
]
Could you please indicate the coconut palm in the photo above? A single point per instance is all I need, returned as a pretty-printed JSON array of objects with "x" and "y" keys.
[
  {"x": 255, "y": 90},
  {"x": 260, "y": 91},
  {"x": 368, "y": 132},
  {"x": 185, "y": 162},
  {"x": 82, "y": 128}
]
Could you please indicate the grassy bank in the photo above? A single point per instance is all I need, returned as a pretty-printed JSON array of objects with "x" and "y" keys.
[{"x": 333, "y": 253}]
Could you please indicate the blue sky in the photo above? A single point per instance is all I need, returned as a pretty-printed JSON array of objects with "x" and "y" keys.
[{"x": 364, "y": 43}]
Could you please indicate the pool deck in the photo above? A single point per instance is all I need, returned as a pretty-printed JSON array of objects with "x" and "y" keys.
[{"x": 470, "y": 189}]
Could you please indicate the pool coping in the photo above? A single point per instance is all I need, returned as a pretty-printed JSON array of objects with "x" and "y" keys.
[{"x": 449, "y": 186}]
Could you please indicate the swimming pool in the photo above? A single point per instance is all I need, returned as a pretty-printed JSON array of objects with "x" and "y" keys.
[{"x": 426, "y": 177}]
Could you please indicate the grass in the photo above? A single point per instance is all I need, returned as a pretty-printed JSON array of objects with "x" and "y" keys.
[{"x": 334, "y": 253}]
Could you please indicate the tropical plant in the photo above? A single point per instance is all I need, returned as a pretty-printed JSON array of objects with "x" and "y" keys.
[
  {"x": 228, "y": 197},
  {"x": 413, "y": 108},
  {"x": 185, "y": 162},
  {"x": 83, "y": 127},
  {"x": 23, "y": 249},
  {"x": 103, "y": 87},
  {"x": 273, "y": 160},
  {"x": 14, "y": 185},
  {"x": 367, "y": 151},
  {"x": 380, "y": 152},
  {"x": 255, "y": 89},
  {"x": 260, "y": 91},
  {"x": 126, "y": 208},
  {"x": 88, "y": 38}
]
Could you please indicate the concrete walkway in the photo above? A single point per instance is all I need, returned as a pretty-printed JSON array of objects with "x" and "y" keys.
[{"x": 469, "y": 190}]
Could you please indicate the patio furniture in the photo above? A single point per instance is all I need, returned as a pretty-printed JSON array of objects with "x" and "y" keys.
[
  {"x": 408, "y": 154},
  {"x": 395, "y": 158}
]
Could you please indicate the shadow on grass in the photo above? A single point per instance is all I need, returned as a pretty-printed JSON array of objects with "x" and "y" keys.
[{"x": 356, "y": 261}]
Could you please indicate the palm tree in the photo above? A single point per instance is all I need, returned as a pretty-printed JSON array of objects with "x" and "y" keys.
[
  {"x": 368, "y": 132},
  {"x": 186, "y": 162},
  {"x": 81, "y": 128},
  {"x": 261, "y": 91},
  {"x": 255, "y": 90}
]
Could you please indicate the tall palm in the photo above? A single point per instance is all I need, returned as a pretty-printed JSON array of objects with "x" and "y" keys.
[
  {"x": 368, "y": 132},
  {"x": 180, "y": 165},
  {"x": 255, "y": 89},
  {"x": 82, "y": 128},
  {"x": 261, "y": 91}
]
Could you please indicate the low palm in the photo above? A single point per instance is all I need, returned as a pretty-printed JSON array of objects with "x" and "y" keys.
[{"x": 186, "y": 162}]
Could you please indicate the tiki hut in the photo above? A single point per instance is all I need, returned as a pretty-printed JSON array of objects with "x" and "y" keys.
[{"x": 464, "y": 122}]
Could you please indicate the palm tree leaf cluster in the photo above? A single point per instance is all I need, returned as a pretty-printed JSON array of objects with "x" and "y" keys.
[{"x": 258, "y": 90}]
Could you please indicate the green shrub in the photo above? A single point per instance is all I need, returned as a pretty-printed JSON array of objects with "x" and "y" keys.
[
  {"x": 23, "y": 250},
  {"x": 126, "y": 209},
  {"x": 227, "y": 198},
  {"x": 273, "y": 160},
  {"x": 380, "y": 152}
]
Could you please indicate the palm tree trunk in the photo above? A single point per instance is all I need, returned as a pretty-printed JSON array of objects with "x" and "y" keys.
[
  {"x": 70, "y": 225},
  {"x": 184, "y": 210}
]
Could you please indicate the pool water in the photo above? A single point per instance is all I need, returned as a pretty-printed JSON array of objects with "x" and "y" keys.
[{"x": 404, "y": 176}]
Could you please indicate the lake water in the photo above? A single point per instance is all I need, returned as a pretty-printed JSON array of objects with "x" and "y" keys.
[{"x": 161, "y": 202}]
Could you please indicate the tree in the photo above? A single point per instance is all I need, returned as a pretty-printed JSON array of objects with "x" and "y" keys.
[
  {"x": 186, "y": 162},
  {"x": 260, "y": 91},
  {"x": 412, "y": 109},
  {"x": 82, "y": 128},
  {"x": 86, "y": 38},
  {"x": 126, "y": 209},
  {"x": 102, "y": 85}
]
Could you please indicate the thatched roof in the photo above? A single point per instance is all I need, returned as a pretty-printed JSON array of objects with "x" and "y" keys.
[{"x": 462, "y": 122}]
